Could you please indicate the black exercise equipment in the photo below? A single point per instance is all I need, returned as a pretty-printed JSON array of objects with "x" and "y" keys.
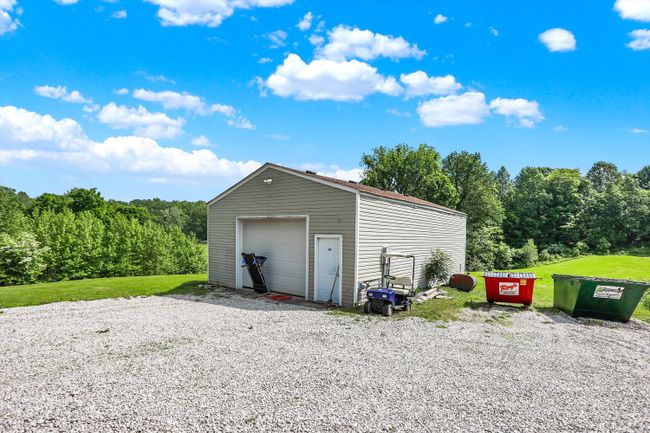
[{"x": 254, "y": 265}]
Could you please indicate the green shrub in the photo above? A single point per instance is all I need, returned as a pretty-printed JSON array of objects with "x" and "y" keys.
[
  {"x": 438, "y": 267},
  {"x": 545, "y": 256},
  {"x": 21, "y": 259},
  {"x": 526, "y": 256},
  {"x": 602, "y": 246},
  {"x": 580, "y": 249},
  {"x": 82, "y": 245},
  {"x": 188, "y": 256},
  {"x": 503, "y": 256},
  {"x": 481, "y": 249}
]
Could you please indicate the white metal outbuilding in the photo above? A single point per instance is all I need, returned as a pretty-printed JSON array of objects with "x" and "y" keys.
[{"x": 322, "y": 234}]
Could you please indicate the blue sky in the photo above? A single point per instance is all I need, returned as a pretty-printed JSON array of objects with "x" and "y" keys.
[{"x": 180, "y": 99}]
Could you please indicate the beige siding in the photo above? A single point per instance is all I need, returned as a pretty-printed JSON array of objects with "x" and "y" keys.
[
  {"x": 330, "y": 210},
  {"x": 408, "y": 229}
]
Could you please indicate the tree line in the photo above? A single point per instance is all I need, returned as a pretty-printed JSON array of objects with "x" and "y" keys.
[
  {"x": 81, "y": 235},
  {"x": 540, "y": 215}
]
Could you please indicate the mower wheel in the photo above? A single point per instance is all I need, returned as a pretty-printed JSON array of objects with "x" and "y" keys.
[
  {"x": 367, "y": 307},
  {"x": 408, "y": 306},
  {"x": 387, "y": 309}
]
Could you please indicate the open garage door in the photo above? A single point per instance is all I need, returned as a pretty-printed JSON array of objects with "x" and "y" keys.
[{"x": 282, "y": 241}]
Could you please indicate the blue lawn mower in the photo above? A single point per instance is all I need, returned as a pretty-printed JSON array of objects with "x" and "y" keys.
[{"x": 393, "y": 292}]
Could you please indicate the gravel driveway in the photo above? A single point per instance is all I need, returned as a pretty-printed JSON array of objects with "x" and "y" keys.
[{"x": 234, "y": 364}]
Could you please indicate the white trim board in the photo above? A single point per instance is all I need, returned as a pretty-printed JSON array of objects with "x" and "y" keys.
[
  {"x": 238, "y": 245},
  {"x": 207, "y": 241},
  {"x": 355, "y": 296},
  {"x": 281, "y": 169},
  {"x": 332, "y": 236}
]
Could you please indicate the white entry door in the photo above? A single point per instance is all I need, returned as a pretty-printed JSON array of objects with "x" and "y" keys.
[{"x": 328, "y": 268}]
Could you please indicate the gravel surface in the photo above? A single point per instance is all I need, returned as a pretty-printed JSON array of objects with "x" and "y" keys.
[{"x": 243, "y": 365}]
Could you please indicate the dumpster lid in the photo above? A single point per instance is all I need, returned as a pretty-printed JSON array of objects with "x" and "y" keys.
[
  {"x": 522, "y": 275},
  {"x": 598, "y": 279}
]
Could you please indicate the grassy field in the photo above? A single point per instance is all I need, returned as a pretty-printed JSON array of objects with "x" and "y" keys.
[
  {"x": 627, "y": 267},
  {"x": 99, "y": 288},
  {"x": 624, "y": 267}
]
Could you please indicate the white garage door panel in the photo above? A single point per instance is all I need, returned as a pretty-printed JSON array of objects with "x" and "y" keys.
[{"x": 283, "y": 243}]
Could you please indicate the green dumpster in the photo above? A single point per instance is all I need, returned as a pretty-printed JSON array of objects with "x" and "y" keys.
[{"x": 601, "y": 298}]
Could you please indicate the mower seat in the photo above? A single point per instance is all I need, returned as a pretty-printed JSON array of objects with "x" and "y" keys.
[
  {"x": 403, "y": 292},
  {"x": 401, "y": 281},
  {"x": 401, "y": 285}
]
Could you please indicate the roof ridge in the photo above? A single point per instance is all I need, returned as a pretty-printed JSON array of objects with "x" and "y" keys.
[{"x": 379, "y": 192}]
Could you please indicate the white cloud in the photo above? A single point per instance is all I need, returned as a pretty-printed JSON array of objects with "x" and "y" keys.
[
  {"x": 122, "y": 91},
  {"x": 279, "y": 137},
  {"x": 494, "y": 32},
  {"x": 638, "y": 131},
  {"x": 640, "y": 40},
  {"x": 264, "y": 60},
  {"x": 174, "y": 100},
  {"x": 316, "y": 40},
  {"x": 209, "y": 13},
  {"x": 91, "y": 108},
  {"x": 525, "y": 111},
  {"x": 61, "y": 92},
  {"x": 333, "y": 170},
  {"x": 7, "y": 23},
  {"x": 560, "y": 128},
  {"x": 144, "y": 155},
  {"x": 277, "y": 38},
  {"x": 260, "y": 83},
  {"x": 155, "y": 78},
  {"x": 354, "y": 174},
  {"x": 305, "y": 22},
  {"x": 439, "y": 19},
  {"x": 419, "y": 84},
  {"x": 398, "y": 113},
  {"x": 558, "y": 40},
  {"x": 21, "y": 128},
  {"x": 202, "y": 141},
  {"x": 466, "y": 109},
  {"x": 171, "y": 100},
  {"x": 633, "y": 9},
  {"x": 66, "y": 2},
  {"x": 119, "y": 15},
  {"x": 347, "y": 42},
  {"x": 324, "y": 79},
  {"x": 141, "y": 121},
  {"x": 241, "y": 123}
]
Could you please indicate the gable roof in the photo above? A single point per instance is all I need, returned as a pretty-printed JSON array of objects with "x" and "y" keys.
[{"x": 341, "y": 184}]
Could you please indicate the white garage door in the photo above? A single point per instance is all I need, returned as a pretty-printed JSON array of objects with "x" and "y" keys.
[{"x": 282, "y": 241}]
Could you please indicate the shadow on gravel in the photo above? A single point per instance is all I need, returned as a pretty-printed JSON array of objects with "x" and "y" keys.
[
  {"x": 486, "y": 306},
  {"x": 195, "y": 291},
  {"x": 555, "y": 316}
]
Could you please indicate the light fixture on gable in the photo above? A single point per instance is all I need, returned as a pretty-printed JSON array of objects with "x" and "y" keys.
[{"x": 268, "y": 182}]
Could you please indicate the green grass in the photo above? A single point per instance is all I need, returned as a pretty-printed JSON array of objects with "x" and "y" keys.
[
  {"x": 627, "y": 267},
  {"x": 100, "y": 288},
  {"x": 624, "y": 267}
]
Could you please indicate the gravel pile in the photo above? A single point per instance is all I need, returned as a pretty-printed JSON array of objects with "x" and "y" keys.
[{"x": 243, "y": 365}]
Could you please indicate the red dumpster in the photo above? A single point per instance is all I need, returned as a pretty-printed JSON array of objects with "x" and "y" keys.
[{"x": 515, "y": 288}]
